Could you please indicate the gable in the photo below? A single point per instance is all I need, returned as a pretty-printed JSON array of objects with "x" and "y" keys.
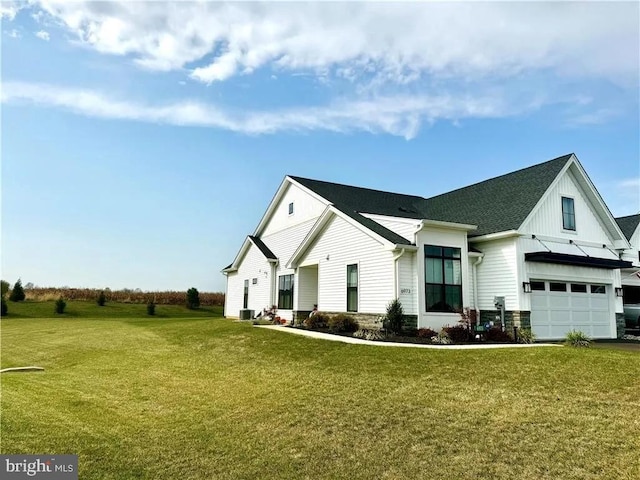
[
  {"x": 306, "y": 206},
  {"x": 593, "y": 221}
]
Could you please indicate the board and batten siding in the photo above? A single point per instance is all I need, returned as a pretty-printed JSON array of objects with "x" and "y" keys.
[
  {"x": 407, "y": 284},
  {"x": 444, "y": 238},
  {"x": 253, "y": 265},
  {"x": 498, "y": 274},
  {"x": 341, "y": 244},
  {"x": 305, "y": 208},
  {"x": 402, "y": 226},
  {"x": 547, "y": 217}
]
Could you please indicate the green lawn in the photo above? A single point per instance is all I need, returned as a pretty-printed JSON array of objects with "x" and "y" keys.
[{"x": 201, "y": 398}]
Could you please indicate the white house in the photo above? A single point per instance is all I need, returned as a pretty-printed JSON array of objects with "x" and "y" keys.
[
  {"x": 630, "y": 226},
  {"x": 542, "y": 238}
]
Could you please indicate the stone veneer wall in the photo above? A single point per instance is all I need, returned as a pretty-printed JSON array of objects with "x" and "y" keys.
[
  {"x": 620, "y": 325},
  {"x": 518, "y": 318}
]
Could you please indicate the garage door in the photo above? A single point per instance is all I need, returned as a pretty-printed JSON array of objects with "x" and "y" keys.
[{"x": 559, "y": 307}]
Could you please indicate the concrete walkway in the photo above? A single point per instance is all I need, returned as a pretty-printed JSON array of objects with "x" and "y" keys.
[{"x": 360, "y": 341}]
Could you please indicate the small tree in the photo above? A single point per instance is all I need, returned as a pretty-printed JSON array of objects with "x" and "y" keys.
[
  {"x": 60, "y": 306},
  {"x": 17, "y": 294},
  {"x": 193, "y": 299},
  {"x": 394, "y": 320},
  {"x": 102, "y": 299},
  {"x": 151, "y": 308},
  {"x": 5, "y": 308}
]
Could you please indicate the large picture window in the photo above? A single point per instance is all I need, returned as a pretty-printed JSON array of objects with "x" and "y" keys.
[
  {"x": 443, "y": 279},
  {"x": 568, "y": 214},
  {"x": 352, "y": 288},
  {"x": 285, "y": 292}
]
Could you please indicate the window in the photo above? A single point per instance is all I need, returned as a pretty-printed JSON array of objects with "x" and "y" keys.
[
  {"x": 245, "y": 300},
  {"x": 443, "y": 279},
  {"x": 558, "y": 287},
  {"x": 537, "y": 285},
  {"x": 598, "y": 289},
  {"x": 291, "y": 208},
  {"x": 568, "y": 214},
  {"x": 578, "y": 288},
  {"x": 352, "y": 288},
  {"x": 285, "y": 292}
]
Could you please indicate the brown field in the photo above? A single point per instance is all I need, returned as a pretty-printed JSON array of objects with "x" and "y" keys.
[{"x": 207, "y": 299}]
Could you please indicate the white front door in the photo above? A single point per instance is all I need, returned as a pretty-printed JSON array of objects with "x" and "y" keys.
[{"x": 558, "y": 307}]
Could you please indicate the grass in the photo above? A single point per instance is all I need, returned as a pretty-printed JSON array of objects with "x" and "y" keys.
[{"x": 191, "y": 398}]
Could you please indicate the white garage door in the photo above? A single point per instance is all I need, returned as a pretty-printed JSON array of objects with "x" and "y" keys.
[{"x": 559, "y": 307}]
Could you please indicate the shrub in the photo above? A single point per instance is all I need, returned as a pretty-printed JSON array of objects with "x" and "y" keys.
[
  {"x": 369, "y": 334},
  {"x": 102, "y": 299},
  {"x": 5, "y": 288},
  {"x": 576, "y": 338},
  {"x": 457, "y": 333},
  {"x": 394, "y": 319},
  {"x": 495, "y": 334},
  {"x": 525, "y": 335},
  {"x": 426, "y": 333},
  {"x": 151, "y": 308},
  {"x": 342, "y": 323},
  {"x": 410, "y": 332},
  {"x": 317, "y": 321},
  {"x": 60, "y": 305},
  {"x": 17, "y": 294},
  {"x": 193, "y": 299},
  {"x": 5, "y": 308}
]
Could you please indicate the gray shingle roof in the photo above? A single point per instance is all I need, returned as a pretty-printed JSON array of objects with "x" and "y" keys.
[
  {"x": 628, "y": 224},
  {"x": 499, "y": 204}
]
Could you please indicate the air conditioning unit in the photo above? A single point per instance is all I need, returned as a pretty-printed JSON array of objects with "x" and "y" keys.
[{"x": 246, "y": 314}]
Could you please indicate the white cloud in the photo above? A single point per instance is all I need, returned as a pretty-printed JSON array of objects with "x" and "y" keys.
[
  {"x": 9, "y": 10},
  {"x": 14, "y": 33},
  {"x": 400, "y": 115},
  {"x": 391, "y": 43},
  {"x": 42, "y": 35}
]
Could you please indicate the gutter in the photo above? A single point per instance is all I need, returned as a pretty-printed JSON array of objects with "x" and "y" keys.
[
  {"x": 396, "y": 272},
  {"x": 474, "y": 272}
]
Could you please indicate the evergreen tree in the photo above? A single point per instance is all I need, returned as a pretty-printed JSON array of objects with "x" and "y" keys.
[
  {"x": 193, "y": 299},
  {"x": 17, "y": 294}
]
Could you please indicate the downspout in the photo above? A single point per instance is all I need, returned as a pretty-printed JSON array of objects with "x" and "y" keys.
[
  {"x": 396, "y": 272},
  {"x": 474, "y": 272}
]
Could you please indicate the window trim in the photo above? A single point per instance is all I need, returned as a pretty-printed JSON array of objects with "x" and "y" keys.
[
  {"x": 569, "y": 215},
  {"x": 283, "y": 296},
  {"x": 443, "y": 285},
  {"x": 356, "y": 288}
]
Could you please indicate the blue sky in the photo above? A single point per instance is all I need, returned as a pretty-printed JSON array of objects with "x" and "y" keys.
[{"x": 141, "y": 142}]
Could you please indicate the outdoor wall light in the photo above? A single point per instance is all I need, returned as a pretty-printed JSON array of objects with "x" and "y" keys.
[
  {"x": 526, "y": 286},
  {"x": 619, "y": 292}
]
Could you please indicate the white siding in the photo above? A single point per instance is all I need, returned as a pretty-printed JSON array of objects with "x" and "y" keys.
[
  {"x": 407, "y": 285},
  {"x": 445, "y": 238},
  {"x": 306, "y": 288},
  {"x": 253, "y": 265},
  {"x": 404, "y": 227},
  {"x": 547, "y": 218},
  {"x": 497, "y": 274},
  {"x": 305, "y": 208},
  {"x": 341, "y": 244}
]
